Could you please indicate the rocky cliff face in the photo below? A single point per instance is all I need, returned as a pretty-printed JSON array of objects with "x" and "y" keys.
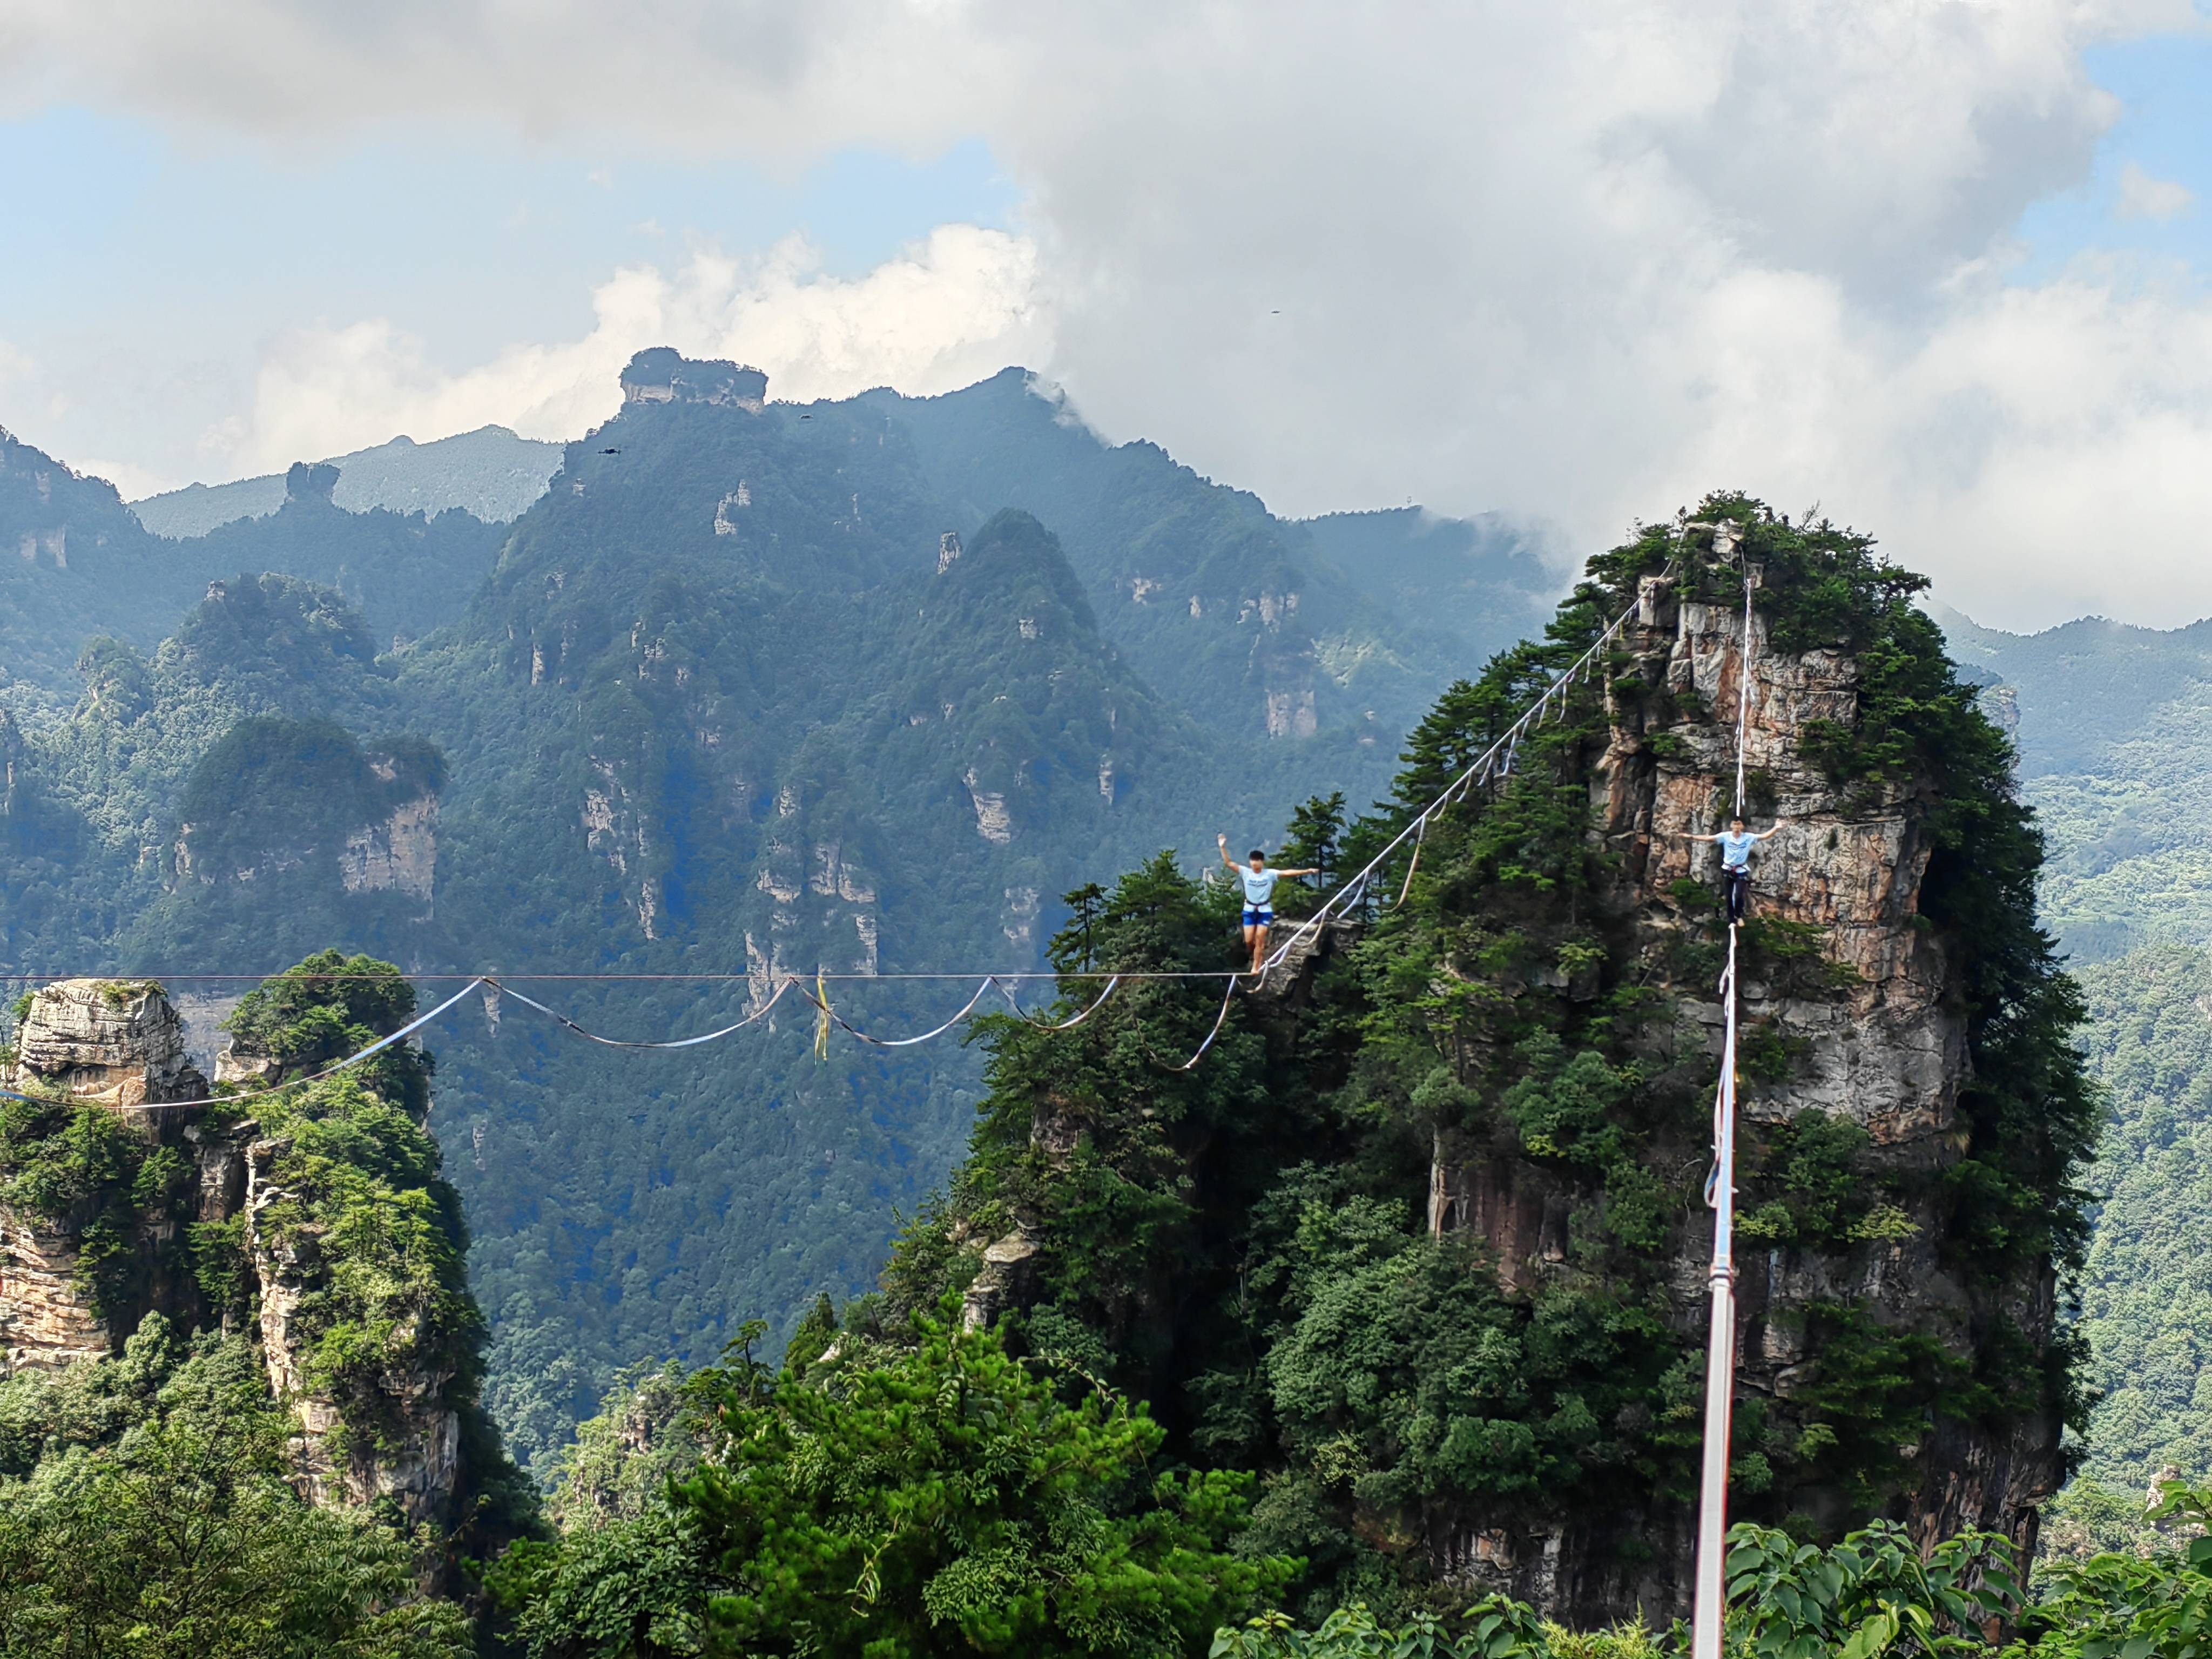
[
  {"x": 662, "y": 376},
  {"x": 398, "y": 855},
  {"x": 319, "y": 805},
  {"x": 117, "y": 1048},
  {"x": 412, "y": 1457},
  {"x": 1853, "y": 1012}
]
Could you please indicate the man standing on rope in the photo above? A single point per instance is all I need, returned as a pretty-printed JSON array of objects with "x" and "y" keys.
[
  {"x": 1258, "y": 896},
  {"x": 1736, "y": 843}
]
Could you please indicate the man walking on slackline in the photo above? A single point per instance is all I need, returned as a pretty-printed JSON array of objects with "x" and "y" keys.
[
  {"x": 1258, "y": 896},
  {"x": 1736, "y": 843}
]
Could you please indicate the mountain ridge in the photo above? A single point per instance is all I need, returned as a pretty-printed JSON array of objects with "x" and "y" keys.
[{"x": 489, "y": 473}]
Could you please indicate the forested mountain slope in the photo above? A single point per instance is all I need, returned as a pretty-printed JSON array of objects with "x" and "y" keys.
[
  {"x": 2114, "y": 728},
  {"x": 1342, "y": 628},
  {"x": 2115, "y": 737},
  {"x": 84, "y": 567},
  {"x": 742, "y": 695}
]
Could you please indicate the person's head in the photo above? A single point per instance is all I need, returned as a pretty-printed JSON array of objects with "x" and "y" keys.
[
  {"x": 1258, "y": 859},
  {"x": 1736, "y": 824}
]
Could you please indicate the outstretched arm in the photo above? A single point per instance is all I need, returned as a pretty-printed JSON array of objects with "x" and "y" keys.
[
  {"x": 1297, "y": 872},
  {"x": 1222, "y": 841},
  {"x": 1764, "y": 834},
  {"x": 1686, "y": 835}
]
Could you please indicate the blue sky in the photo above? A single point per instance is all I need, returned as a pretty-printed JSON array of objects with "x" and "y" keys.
[
  {"x": 463, "y": 230},
  {"x": 2165, "y": 88},
  {"x": 154, "y": 265}
]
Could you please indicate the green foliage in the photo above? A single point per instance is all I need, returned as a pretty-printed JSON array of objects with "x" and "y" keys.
[
  {"x": 949, "y": 1501},
  {"x": 330, "y": 1005},
  {"x": 80, "y": 1168},
  {"x": 147, "y": 1512},
  {"x": 650, "y": 1432},
  {"x": 1814, "y": 1161},
  {"x": 632, "y": 1587},
  {"x": 1410, "y": 1379},
  {"x": 2156, "y": 1604},
  {"x": 1494, "y": 1628},
  {"x": 1113, "y": 1106},
  {"x": 2146, "y": 1289},
  {"x": 1871, "y": 1593},
  {"x": 2087, "y": 1518},
  {"x": 936, "y": 1497},
  {"x": 1564, "y": 1107},
  {"x": 56, "y": 1157}
]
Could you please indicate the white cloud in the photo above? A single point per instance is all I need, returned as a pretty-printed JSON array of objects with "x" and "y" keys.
[
  {"x": 2142, "y": 196},
  {"x": 947, "y": 311},
  {"x": 1576, "y": 262},
  {"x": 134, "y": 483}
]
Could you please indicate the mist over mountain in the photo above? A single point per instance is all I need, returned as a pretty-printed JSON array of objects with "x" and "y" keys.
[{"x": 490, "y": 474}]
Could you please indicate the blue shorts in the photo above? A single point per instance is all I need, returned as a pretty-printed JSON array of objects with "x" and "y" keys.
[{"x": 1260, "y": 918}]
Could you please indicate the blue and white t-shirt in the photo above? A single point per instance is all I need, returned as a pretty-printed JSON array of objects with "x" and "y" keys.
[
  {"x": 1259, "y": 887},
  {"x": 1735, "y": 848}
]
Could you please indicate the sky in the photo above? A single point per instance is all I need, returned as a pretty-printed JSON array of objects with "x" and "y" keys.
[{"x": 1936, "y": 268}]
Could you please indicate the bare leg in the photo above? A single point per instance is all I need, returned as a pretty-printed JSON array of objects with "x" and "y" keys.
[{"x": 1259, "y": 945}]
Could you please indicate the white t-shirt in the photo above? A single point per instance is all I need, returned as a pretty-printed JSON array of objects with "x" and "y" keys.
[
  {"x": 1735, "y": 848},
  {"x": 1259, "y": 887}
]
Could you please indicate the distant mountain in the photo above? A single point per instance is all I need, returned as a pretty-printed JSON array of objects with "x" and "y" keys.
[
  {"x": 1461, "y": 578},
  {"x": 2114, "y": 729},
  {"x": 489, "y": 473},
  {"x": 85, "y": 566},
  {"x": 73, "y": 562},
  {"x": 2114, "y": 725}
]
